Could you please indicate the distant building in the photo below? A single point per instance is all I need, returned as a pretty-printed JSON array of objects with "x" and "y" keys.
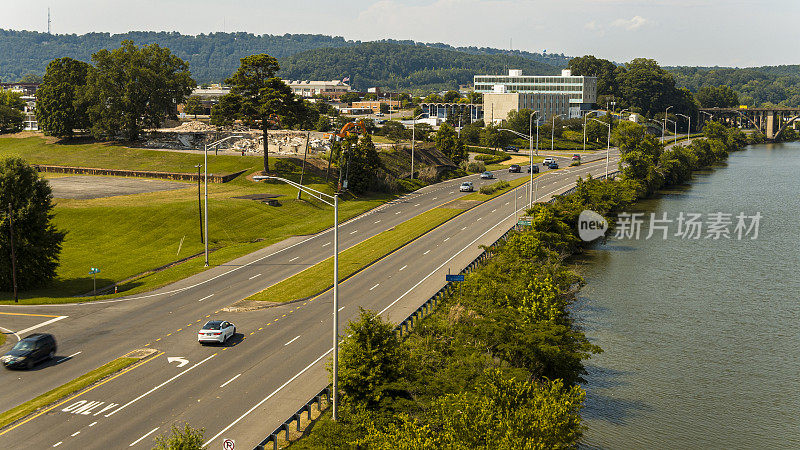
[
  {"x": 209, "y": 96},
  {"x": 467, "y": 112},
  {"x": 569, "y": 95},
  {"x": 28, "y": 91},
  {"x": 306, "y": 88},
  {"x": 375, "y": 105}
]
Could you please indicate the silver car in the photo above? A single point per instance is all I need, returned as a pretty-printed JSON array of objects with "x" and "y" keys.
[
  {"x": 466, "y": 186},
  {"x": 217, "y": 331}
]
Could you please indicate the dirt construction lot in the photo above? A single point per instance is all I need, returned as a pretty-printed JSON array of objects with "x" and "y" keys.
[{"x": 89, "y": 186}]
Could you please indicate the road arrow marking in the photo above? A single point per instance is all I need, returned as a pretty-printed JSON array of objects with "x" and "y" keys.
[{"x": 181, "y": 360}]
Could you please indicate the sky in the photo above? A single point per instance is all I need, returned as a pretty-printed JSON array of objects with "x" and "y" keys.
[{"x": 738, "y": 33}]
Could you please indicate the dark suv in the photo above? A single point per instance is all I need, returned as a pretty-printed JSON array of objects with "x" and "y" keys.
[
  {"x": 515, "y": 168},
  {"x": 29, "y": 351}
]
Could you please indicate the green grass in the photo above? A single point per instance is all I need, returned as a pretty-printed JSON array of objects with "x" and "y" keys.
[
  {"x": 64, "y": 390},
  {"x": 127, "y": 235},
  {"x": 113, "y": 156},
  {"x": 512, "y": 184},
  {"x": 317, "y": 278},
  {"x": 2, "y": 339}
]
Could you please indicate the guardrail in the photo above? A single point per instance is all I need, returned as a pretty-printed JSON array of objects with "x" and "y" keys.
[{"x": 403, "y": 328}]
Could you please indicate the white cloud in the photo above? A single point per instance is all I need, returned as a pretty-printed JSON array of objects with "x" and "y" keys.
[{"x": 631, "y": 24}]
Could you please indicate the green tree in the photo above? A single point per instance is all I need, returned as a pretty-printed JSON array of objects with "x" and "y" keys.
[
  {"x": 11, "y": 116},
  {"x": 59, "y": 110},
  {"x": 263, "y": 97},
  {"x": 193, "y": 106},
  {"x": 349, "y": 98},
  {"x": 471, "y": 133},
  {"x": 186, "y": 438},
  {"x": 394, "y": 130},
  {"x": 132, "y": 88},
  {"x": 422, "y": 131},
  {"x": 384, "y": 108},
  {"x": 323, "y": 123},
  {"x": 433, "y": 98},
  {"x": 451, "y": 97},
  {"x": 226, "y": 111},
  {"x": 475, "y": 97},
  {"x": 501, "y": 413},
  {"x": 448, "y": 143},
  {"x": 604, "y": 70},
  {"x": 31, "y": 78},
  {"x": 717, "y": 97},
  {"x": 37, "y": 242},
  {"x": 645, "y": 85},
  {"x": 371, "y": 360}
]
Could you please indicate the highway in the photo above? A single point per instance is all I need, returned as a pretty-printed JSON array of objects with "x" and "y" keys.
[{"x": 246, "y": 388}]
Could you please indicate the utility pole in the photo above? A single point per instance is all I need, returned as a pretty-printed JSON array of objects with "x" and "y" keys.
[
  {"x": 48, "y": 20},
  {"x": 303, "y": 171},
  {"x": 13, "y": 254},
  {"x": 200, "y": 203}
]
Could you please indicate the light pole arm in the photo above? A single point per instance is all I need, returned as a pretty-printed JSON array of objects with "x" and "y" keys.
[{"x": 321, "y": 196}]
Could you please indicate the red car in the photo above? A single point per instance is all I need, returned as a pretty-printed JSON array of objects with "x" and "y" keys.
[{"x": 576, "y": 157}]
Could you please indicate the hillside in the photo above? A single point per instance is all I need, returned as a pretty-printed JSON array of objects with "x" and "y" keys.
[
  {"x": 778, "y": 85},
  {"x": 212, "y": 57},
  {"x": 402, "y": 67}
]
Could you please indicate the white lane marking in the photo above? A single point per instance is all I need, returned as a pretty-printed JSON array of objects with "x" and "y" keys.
[
  {"x": 268, "y": 397},
  {"x": 58, "y": 443},
  {"x": 354, "y": 232},
  {"x": 420, "y": 203},
  {"x": 398, "y": 212},
  {"x": 75, "y": 434},
  {"x": 434, "y": 198},
  {"x": 157, "y": 387},
  {"x": 447, "y": 239},
  {"x": 295, "y": 258},
  {"x": 206, "y": 297},
  {"x": 295, "y": 338},
  {"x": 325, "y": 245},
  {"x": 9, "y": 331},
  {"x": 377, "y": 221},
  {"x": 255, "y": 276},
  {"x": 507, "y": 203},
  {"x": 68, "y": 357},
  {"x": 341, "y": 308},
  {"x": 520, "y": 196},
  {"x": 141, "y": 438},
  {"x": 479, "y": 218},
  {"x": 426, "y": 252},
  {"x": 494, "y": 210},
  {"x": 47, "y": 322},
  {"x": 403, "y": 267},
  {"x": 93, "y": 424},
  {"x": 447, "y": 261},
  {"x": 373, "y": 287},
  {"x": 464, "y": 228},
  {"x": 226, "y": 383}
]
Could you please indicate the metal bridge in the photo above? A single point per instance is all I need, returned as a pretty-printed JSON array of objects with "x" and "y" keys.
[{"x": 770, "y": 121}]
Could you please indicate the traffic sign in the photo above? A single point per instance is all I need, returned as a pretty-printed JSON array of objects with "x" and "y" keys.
[
  {"x": 228, "y": 444},
  {"x": 449, "y": 277},
  {"x": 94, "y": 270}
]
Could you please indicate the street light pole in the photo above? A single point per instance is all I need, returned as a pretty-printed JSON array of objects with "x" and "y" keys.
[
  {"x": 330, "y": 200},
  {"x": 688, "y": 130},
  {"x": 664, "y": 130},
  {"x": 585, "y": 117},
  {"x": 413, "y": 136},
  {"x": 205, "y": 171},
  {"x": 530, "y": 152},
  {"x": 608, "y": 149},
  {"x": 13, "y": 254}
]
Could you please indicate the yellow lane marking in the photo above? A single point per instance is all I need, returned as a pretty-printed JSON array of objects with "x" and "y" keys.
[
  {"x": 179, "y": 329},
  {"x": 251, "y": 333},
  {"x": 270, "y": 323},
  {"x": 276, "y": 319},
  {"x": 158, "y": 339},
  {"x": 283, "y": 315},
  {"x": 260, "y": 328},
  {"x": 70, "y": 398},
  {"x": 26, "y": 314},
  {"x": 208, "y": 315},
  {"x": 169, "y": 334}
]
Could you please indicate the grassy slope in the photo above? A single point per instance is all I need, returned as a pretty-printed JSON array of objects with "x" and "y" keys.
[
  {"x": 127, "y": 235},
  {"x": 316, "y": 278},
  {"x": 112, "y": 156}
]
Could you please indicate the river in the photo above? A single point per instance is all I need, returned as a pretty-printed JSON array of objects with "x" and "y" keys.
[{"x": 701, "y": 338}]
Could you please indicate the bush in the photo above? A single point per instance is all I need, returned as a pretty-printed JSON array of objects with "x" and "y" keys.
[
  {"x": 492, "y": 188},
  {"x": 575, "y": 163},
  {"x": 476, "y": 167},
  {"x": 428, "y": 174},
  {"x": 187, "y": 438}
]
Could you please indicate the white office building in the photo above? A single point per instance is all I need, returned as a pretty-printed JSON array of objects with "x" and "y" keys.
[{"x": 568, "y": 95}]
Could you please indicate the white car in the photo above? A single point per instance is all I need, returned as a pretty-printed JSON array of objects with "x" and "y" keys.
[
  {"x": 466, "y": 187},
  {"x": 547, "y": 161},
  {"x": 217, "y": 331}
]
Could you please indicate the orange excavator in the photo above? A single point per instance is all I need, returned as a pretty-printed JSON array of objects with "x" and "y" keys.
[{"x": 352, "y": 127}]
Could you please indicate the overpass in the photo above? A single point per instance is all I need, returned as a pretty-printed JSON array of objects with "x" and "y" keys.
[{"x": 770, "y": 121}]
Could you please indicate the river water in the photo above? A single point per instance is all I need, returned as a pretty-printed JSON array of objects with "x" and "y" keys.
[{"x": 701, "y": 338}]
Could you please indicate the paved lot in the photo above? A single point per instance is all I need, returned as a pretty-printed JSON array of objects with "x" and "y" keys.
[{"x": 90, "y": 186}]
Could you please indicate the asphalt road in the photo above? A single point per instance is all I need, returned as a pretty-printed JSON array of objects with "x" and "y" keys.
[{"x": 244, "y": 389}]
